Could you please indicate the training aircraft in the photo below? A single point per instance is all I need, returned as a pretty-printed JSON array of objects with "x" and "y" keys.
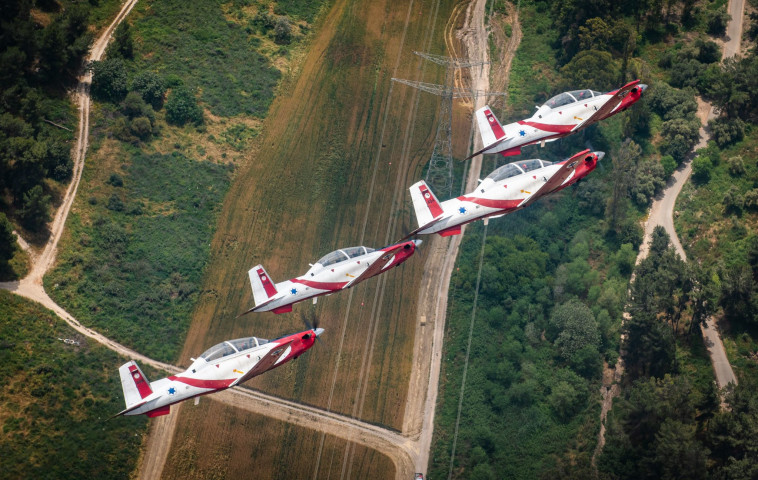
[
  {"x": 335, "y": 271},
  {"x": 222, "y": 366},
  {"x": 507, "y": 189},
  {"x": 561, "y": 116}
]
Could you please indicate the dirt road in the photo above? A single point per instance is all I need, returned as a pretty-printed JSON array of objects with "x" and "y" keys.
[
  {"x": 662, "y": 213},
  {"x": 409, "y": 450}
]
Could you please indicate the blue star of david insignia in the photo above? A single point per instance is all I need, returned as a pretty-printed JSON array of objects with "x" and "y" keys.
[
  {"x": 294, "y": 291},
  {"x": 462, "y": 209},
  {"x": 522, "y": 133},
  {"x": 171, "y": 391}
]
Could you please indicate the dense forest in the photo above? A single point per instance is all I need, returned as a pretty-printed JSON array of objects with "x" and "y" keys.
[
  {"x": 40, "y": 57},
  {"x": 545, "y": 309}
]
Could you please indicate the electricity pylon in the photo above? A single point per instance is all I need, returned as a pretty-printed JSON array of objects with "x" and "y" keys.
[{"x": 440, "y": 172}]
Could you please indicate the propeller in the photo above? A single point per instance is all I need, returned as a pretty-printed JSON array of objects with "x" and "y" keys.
[{"x": 311, "y": 322}]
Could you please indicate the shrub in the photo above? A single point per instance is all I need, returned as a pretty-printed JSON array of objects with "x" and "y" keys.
[
  {"x": 669, "y": 165},
  {"x": 109, "y": 80},
  {"x": 35, "y": 212},
  {"x": 701, "y": 169},
  {"x": 718, "y": 22},
  {"x": 115, "y": 203},
  {"x": 736, "y": 166},
  {"x": 283, "y": 31},
  {"x": 182, "y": 107},
  {"x": 151, "y": 87},
  {"x": 116, "y": 180},
  {"x": 727, "y": 130}
]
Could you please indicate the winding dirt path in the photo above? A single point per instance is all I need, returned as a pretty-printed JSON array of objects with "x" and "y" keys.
[
  {"x": 662, "y": 213},
  {"x": 409, "y": 450}
]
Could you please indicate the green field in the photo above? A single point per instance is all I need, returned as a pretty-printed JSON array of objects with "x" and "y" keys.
[{"x": 57, "y": 399}]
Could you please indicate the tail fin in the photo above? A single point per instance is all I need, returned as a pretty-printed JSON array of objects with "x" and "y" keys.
[
  {"x": 134, "y": 384},
  {"x": 263, "y": 288},
  {"x": 427, "y": 206},
  {"x": 489, "y": 128}
]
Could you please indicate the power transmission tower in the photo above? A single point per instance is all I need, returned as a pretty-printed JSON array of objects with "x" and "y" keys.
[{"x": 440, "y": 173}]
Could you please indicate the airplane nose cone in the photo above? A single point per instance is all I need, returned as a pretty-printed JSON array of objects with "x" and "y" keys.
[
  {"x": 417, "y": 242},
  {"x": 643, "y": 87},
  {"x": 319, "y": 331},
  {"x": 600, "y": 155}
]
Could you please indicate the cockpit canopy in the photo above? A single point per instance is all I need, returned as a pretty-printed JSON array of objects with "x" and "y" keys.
[
  {"x": 570, "y": 97},
  {"x": 343, "y": 254},
  {"x": 231, "y": 347},
  {"x": 516, "y": 168}
]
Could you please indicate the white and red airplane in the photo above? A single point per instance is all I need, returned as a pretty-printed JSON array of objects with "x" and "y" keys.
[
  {"x": 222, "y": 366},
  {"x": 561, "y": 116},
  {"x": 507, "y": 189},
  {"x": 335, "y": 271}
]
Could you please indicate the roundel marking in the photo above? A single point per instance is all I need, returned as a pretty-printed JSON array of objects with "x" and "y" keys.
[
  {"x": 426, "y": 195},
  {"x": 136, "y": 375},
  {"x": 263, "y": 278}
]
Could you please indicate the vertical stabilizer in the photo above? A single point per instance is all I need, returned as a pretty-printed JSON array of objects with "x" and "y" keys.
[
  {"x": 427, "y": 206},
  {"x": 489, "y": 128},
  {"x": 263, "y": 288},
  {"x": 134, "y": 384}
]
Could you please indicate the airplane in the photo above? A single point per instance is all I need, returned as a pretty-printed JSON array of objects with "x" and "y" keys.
[
  {"x": 338, "y": 270},
  {"x": 509, "y": 188},
  {"x": 559, "y": 117},
  {"x": 222, "y": 366}
]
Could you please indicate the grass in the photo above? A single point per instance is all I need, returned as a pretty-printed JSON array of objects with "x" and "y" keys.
[
  {"x": 133, "y": 273},
  {"x": 196, "y": 43},
  {"x": 56, "y": 399}
]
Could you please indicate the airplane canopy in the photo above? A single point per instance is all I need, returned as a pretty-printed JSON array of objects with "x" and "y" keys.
[
  {"x": 341, "y": 255},
  {"x": 231, "y": 347},
  {"x": 570, "y": 97},
  {"x": 516, "y": 168}
]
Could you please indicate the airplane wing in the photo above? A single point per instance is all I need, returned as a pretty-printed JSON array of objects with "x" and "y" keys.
[
  {"x": 263, "y": 364},
  {"x": 375, "y": 267},
  {"x": 498, "y": 142},
  {"x": 557, "y": 179},
  {"x": 607, "y": 107}
]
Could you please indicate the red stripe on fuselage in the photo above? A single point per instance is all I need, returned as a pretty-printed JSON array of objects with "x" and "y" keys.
[
  {"x": 142, "y": 386},
  {"x": 545, "y": 127},
  {"x": 492, "y": 203},
  {"x": 200, "y": 383},
  {"x": 267, "y": 285},
  {"x": 494, "y": 125},
  {"x": 320, "y": 285},
  {"x": 434, "y": 207}
]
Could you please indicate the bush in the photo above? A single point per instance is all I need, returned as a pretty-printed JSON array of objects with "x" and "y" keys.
[
  {"x": 182, "y": 108},
  {"x": 35, "y": 212},
  {"x": 115, "y": 203},
  {"x": 116, "y": 180},
  {"x": 109, "y": 80},
  {"x": 727, "y": 130},
  {"x": 701, "y": 169},
  {"x": 669, "y": 165},
  {"x": 736, "y": 166},
  {"x": 283, "y": 31},
  {"x": 718, "y": 22},
  {"x": 151, "y": 87}
]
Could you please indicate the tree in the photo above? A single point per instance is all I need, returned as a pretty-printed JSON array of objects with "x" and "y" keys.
[
  {"x": 576, "y": 328},
  {"x": 35, "y": 212},
  {"x": 282, "y": 31},
  {"x": 591, "y": 67},
  {"x": 109, "y": 80},
  {"x": 717, "y": 23},
  {"x": 7, "y": 240},
  {"x": 122, "y": 45},
  {"x": 701, "y": 169},
  {"x": 151, "y": 87},
  {"x": 679, "y": 136},
  {"x": 727, "y": 131},
  {"x": 182, "y": 107}
]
